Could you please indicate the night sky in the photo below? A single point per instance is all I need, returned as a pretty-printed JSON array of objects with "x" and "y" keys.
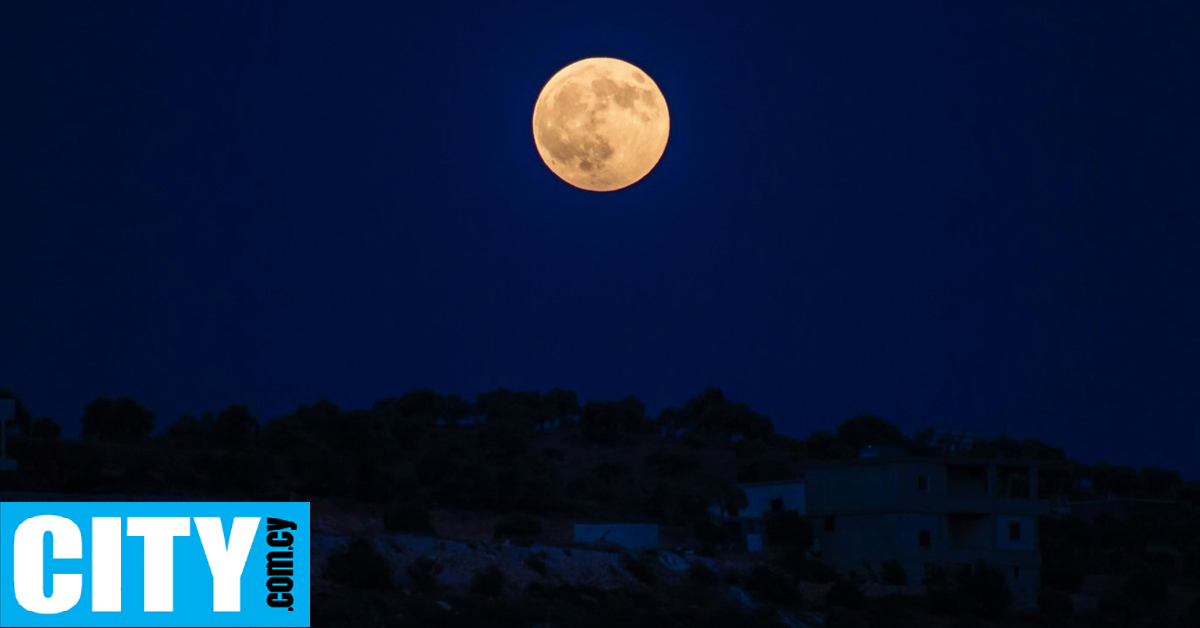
[{"x": 946, "y": 215}]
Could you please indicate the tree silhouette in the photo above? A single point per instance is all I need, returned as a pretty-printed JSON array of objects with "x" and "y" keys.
[
  {"x": 510, "y": 420},
  {"x": 421, "y": 404},
  {"x": 45, "y": 428},
  {"x": 23, "y": 421},
  {"x": 188, "y": 431},
  {"x": 611, "y": 422},
  {"x": 235, "y": 428},
  {"x": 825, "y": 445},
  {"x": 410, "y": 416},
  {"x": 710, "y": 415},
  {"x": 521, "y": 410},
  {"x": 866, "y": 430},
  {"x": 562, "y": 406},
  {"x": 1028, "y": 449},
  {"x": 116, "y": 420},
  {"x": 455, "y": 409}
]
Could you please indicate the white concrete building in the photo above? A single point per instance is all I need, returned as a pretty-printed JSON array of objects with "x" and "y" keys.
[{"x": 781, "y": 496}]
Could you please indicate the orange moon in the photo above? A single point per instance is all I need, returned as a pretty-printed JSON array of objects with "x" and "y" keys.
[{"x": 601, "y": 124}]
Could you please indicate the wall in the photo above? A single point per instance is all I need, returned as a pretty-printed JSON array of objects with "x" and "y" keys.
[
  {"x": 875, "y": 487},
  {"x": 863, "y": 542},
  {"x": 967, "y": 480},
  {"x": 1028, "y": 541},
  {"x": 759, "y": 497},
  {"x": 875, "y": 538},
  {"x": 634, "y": 536},
  {"x": 971, "y": 531}
]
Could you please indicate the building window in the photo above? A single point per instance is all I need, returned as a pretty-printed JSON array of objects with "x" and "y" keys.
[
  {"x": 1014, "y": 531},
  {"x": 924, "y": 539},
  {"x": 777, "y": 504},
  {"x": 923, "y": 483},
  {"x": 830, "y": 523}
]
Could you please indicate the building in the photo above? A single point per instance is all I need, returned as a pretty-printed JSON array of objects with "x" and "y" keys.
[{"x": 928, "y": 513}]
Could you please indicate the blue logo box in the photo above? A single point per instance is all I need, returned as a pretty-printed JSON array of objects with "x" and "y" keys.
[{"x": 86, "y": 564}]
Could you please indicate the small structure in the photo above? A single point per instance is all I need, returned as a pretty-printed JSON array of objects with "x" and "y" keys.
[
  {"x": 631, "y": 536},
  {"x": 781, "y": 496},
  {"x": 8, "y": 412},
  {"x": 764, "y": 498}
]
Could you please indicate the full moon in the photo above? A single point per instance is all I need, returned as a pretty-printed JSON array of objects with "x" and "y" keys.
[{"x": 601, "y": 124}]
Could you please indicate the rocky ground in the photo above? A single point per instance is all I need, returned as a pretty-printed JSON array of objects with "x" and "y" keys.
[{"x": 459, "y": 561}]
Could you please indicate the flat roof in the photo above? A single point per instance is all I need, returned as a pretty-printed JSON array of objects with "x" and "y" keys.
[
  {"x": 948, "y": 461},
  {"x": 772, "y": 482}
]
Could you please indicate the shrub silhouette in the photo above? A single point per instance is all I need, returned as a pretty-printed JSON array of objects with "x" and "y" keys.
[
  {"x": 978, "y": 589},
  {"x": 1060, "y": 576},
  {"x": 1146, "y": 589},
  {"x": 984, "y": 589},
  {"x": 818, "y": 570},
  {"x": 711, "y": 536},
  {"x": 846, "y": 594},
  {"x": 641, "y": 567},
  {"x": 767, "y": 469},
  {"x": 423, "y": 572},
  {"x": 893, "y": 573},
  {"x": 1117, "y": 607},
  {"x": 45, "y": 428},
  {"x": 845, "y": 618},
  {"x": 702, "y": 574},
  {"x": 408, "y": 518},
  {"x": 788, "y": 529},
  {"x": 772, "y": 586},
  {"x": 537, "y": 564},
  {"x": 520, "y": 528},
  {"x": 360, "y": 566},
  {"x": 1055, "y": 606},
  {"x": 488, "y": 582},
  {"x": 893, "y": 611},
  {"x": 670, "y": 465}
]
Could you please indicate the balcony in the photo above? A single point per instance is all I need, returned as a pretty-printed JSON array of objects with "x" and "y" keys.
[
  {"x": 987, "y": 504},
  {"x": 995, "y": 557}
]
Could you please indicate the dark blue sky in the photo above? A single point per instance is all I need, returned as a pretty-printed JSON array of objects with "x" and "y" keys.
[{"x": 942, "y": 214}]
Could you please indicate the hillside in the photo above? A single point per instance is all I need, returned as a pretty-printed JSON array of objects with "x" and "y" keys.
[{"x": 434, "y": 510}]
